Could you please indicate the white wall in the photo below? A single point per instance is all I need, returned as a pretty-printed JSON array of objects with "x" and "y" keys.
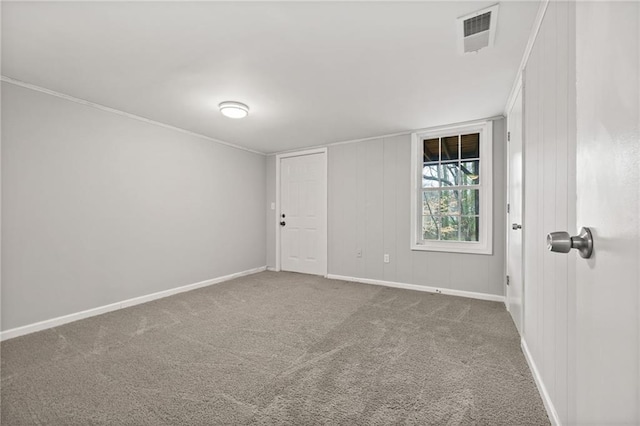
[
  {"x": 369, "y": 209},
  {"x": 549, "y": 200},
  {"x": 98, "y": 208}
]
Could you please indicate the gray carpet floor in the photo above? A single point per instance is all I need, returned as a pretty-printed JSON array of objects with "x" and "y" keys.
[{"x": 276, "y": 348}]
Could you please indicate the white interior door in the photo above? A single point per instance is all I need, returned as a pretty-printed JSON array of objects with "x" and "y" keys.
[
  {"x": 514, "y": 231},
  {"x": 302, "y": 216},
  {"x": 607, "y": 328}
]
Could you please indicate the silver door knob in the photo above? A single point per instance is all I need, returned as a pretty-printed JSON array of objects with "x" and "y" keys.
[
  {"x": 562, "y": 242},
  {"x": 516, "y": 226}
]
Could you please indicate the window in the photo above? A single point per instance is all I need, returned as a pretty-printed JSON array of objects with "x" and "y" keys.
[{"x": 451, "y": 195}]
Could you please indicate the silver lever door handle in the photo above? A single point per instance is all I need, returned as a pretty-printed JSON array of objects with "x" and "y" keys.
[{"x": 562, "y": 242}]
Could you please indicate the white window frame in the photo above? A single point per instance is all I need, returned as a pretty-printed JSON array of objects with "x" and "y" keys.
[{"x": 485, "y": 243}]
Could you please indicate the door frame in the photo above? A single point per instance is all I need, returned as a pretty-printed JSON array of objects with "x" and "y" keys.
[
  {"x": 518, "y": 90},
  {"x": 279, "y": 158}
]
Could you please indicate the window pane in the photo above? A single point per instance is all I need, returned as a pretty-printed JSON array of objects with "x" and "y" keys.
[
  {"x": 470, "y": 172},
  {"x": 430, "y": 227},
  {"x": 469, "y": 228},
  {"x": 470, "y": 202},
  {"x": 450, "y": 148},
  {"x": 431, "y": 203},
  {"x": 430, "y": 177},
  {"x": 450, "y": 172},
  {"x": 449, "y": 228},
  {"x": 449, "y": 199},
  {"x": 450, "y": 202},
  {"x": 431, "y": 150},
  {"x": 470, "y": 145}
]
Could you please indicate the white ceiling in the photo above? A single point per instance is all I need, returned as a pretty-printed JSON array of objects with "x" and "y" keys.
[{"x": 312, "y": 73}]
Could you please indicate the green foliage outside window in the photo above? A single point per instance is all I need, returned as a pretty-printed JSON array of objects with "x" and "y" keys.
[{"x": 450, "y": 188}]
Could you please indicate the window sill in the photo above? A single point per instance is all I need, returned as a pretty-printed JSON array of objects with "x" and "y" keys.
[{"x": 454, "y": 247}]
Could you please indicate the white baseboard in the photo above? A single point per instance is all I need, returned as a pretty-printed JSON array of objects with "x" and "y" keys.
[
  {"x": 272, "y": 269},
  {"x": 551, "y": 410},
  {"x": 54, "y": 322},
  {"x": 470, "y": 294}
]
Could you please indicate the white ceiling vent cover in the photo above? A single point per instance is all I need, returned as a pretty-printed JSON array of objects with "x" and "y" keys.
[{"x": 477, "y": 30}]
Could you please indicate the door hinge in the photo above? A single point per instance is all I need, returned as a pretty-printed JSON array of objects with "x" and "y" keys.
[
  {"x": 508, "y": 208},
  {"x": 508, "y": 136},
  {"x": 507, "y": 279}
]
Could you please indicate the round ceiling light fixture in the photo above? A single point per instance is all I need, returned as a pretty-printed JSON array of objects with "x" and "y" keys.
[{"x": 233, "y": 109}]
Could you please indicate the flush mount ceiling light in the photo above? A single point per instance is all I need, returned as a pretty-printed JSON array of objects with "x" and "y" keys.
[{"x": 233, "y": 109}]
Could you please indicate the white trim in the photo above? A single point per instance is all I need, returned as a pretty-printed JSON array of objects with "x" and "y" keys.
[
  {"x": 485, "y": 244},
  {"x": 326, "y": 212},
  {"x": 54, "y": 322},
  {"x": 279, "y": 157},
  {"x": 544, "y": 394},
  {"x": 505, "y": 285},
  {"x": 300, "y": 153},
  {"x": 507, "y": 288},
  {"x": 390, "y": 135},
  {"x": 428, "y": 289},
  {"x": 537, "y": 23},
  {"x": 512, "y": 100},
  {"x": 121, "y": 113},
  {"x": 277, "y": 215}
]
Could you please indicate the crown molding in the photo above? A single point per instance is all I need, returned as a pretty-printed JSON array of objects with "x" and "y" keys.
[
  {"x": 515, "y": 87},
  {"x": 40, "y": 89},
  {"x": 390, "y": 135}
]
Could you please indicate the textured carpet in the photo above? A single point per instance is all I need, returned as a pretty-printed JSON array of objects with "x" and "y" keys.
[{"x": 277, "y": 348}]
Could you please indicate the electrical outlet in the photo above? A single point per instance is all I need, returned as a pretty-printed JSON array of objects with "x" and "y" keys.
[
  {"x": 386, "y": 258},
  {"x": 359, "y": 253}
]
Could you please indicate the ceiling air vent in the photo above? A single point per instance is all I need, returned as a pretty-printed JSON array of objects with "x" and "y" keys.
[{"x": 477, "y": 30}]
